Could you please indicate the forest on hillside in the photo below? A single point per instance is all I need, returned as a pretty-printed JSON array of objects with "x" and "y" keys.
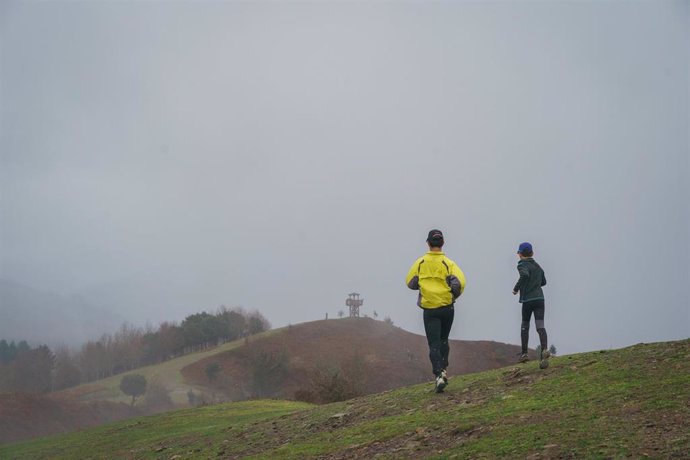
[{"x": 40, "y": 369}]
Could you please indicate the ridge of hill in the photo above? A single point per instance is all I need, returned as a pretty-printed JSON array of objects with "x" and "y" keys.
[
  {"x": 631, "y": 402},
  {"x": 368, "y": 355}
]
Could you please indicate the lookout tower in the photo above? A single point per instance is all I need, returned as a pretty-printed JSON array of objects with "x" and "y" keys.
[{"x": 354, "y": 302}]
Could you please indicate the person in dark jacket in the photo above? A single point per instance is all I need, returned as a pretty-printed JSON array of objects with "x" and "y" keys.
[{"x": 529, "y": 286}]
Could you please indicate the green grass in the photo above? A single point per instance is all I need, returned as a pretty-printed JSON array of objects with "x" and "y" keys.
[
  {"x": 623, "y": 403},
  {"x": 188, "y": 430}
]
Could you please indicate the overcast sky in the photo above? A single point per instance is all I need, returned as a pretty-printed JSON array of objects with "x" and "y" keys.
[{"x": 162, "y": 158}]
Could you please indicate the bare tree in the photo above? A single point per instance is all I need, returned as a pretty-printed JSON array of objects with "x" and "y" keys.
[{"x": 66, "y": 373}]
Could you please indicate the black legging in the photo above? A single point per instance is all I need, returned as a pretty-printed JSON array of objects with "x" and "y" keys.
[
  {"x": 437, "y": 324},
  {"x": 536, "y": 306}
]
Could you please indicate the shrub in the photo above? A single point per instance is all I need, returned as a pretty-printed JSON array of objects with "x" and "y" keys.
[
  {"x": 157, "y": 397},
  {"x": 329, "y": 384},
  {"x": 191, "y": 397},
  {"x": 212, "y": 370},
  {"x": 269, "y": 370}
]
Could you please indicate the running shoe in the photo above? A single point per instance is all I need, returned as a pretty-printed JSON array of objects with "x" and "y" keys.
[
  {"x": 441, "y": 382},
  {"x": 544, "y": 359}
]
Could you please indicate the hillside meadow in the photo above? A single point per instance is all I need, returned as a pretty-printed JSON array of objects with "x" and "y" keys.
[
  {"x": 631, "y": 402},
  {"x": 350, "y": 357}
]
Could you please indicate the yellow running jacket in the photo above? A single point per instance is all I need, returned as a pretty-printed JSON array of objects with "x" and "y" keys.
[{"x": 438, "y": 279}]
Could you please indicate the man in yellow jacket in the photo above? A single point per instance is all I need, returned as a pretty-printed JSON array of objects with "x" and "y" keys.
[{"x": 439, "y": 282}]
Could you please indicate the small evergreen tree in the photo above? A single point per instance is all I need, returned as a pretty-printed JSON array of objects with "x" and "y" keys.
[{"x": 133, "y": 385}]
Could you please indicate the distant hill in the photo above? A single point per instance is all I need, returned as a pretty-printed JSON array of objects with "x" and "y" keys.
[
  {"x": 372, "y": 355},
  {"x": 143, "y": 298},
  {"x": 43, "y": 317},
  {"x": 628, "y": 403}
]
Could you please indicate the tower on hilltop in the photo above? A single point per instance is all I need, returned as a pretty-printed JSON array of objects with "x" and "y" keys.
[{"x": 354, "y": 302}]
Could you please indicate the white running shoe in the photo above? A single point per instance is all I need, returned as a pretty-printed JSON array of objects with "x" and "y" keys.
[{"x": 441, "y": 382}]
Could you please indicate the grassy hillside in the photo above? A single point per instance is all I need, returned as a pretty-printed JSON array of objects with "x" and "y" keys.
[
  {"x": 380, "y": 345},
  {"x": 29, "y": 415},
  {"x": 149, "y": 436},
  {"x": 362, "y": 351},
  {"x": 624, "y": 403},
  {"x": 168, "y": 372}
]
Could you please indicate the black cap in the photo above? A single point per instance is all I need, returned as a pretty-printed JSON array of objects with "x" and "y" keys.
[{"x": 435, "y": 235}]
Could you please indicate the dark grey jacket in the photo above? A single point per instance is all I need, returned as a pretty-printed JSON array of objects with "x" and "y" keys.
[{"x": 531, "y": 280}]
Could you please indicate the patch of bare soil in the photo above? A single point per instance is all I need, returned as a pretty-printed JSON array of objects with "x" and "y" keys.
[{"x": 420, "y": 443}]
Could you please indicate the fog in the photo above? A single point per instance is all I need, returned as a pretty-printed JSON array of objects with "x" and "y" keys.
[{"x": 163, "y": 158}]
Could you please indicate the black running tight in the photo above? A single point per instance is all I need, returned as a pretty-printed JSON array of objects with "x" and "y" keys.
[
  {"x": 437, "y": 324},
  {"x": 537, "y": 307}
]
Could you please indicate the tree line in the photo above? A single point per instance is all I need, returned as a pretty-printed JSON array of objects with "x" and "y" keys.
[
  {"x": 25, "y": 368},
  {"x": 40, "y": 369}
]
